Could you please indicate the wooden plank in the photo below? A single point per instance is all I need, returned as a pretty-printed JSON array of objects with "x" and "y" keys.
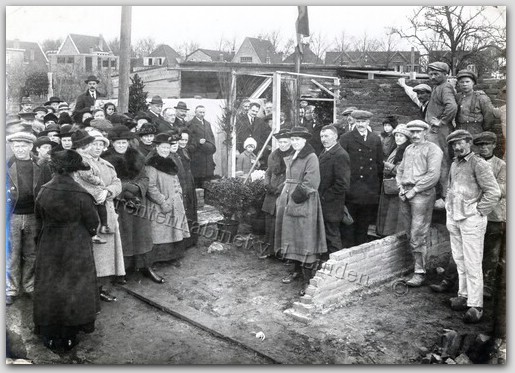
[{"x": 322, "y": 87}]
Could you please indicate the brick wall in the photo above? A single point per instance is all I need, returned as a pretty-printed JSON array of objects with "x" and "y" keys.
[{"x": 364, "y": 267}]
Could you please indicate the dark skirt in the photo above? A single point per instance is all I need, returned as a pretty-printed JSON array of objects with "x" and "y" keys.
[
  {"x": 388, "y": 221},
  {"x": 63, "y": 331},
  {"x": 165, "y": 252}
]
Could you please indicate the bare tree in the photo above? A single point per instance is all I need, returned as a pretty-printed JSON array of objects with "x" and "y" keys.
[
  {"x": 226, "y": 44},
  {"x": 114, "y": 45},
  {"x": 187, "y": 47},
  {"x": 342, "y": 42},
  {"x": 144, "y": 47},
  {"x": 318, "y": 44},
  {"x": 366, "y": 44},
  {"x": 273, "y": 36},
  {"x": 462, "y": 31},
  {"x": 388, "y": 44},
  {"x": 288, "y": 47},
  {"x": 51, "y": 44}
]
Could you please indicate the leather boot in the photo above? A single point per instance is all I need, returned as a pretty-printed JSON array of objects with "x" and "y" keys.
[
  {"x": 149, "y": 272},
  {"x": 105, "y": 296}
]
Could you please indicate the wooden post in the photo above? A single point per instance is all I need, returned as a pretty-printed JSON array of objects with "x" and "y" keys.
[
  {"x": 336, "y": 83},
  {"x": 125, "y": 45},
  {"x": 413, "y": 73},
  {"x": 50, "y": 85},
  {"x": 296, "y": 96},
  {"x": 276, "y": 98},
  {"x": 232, "y": 151}
]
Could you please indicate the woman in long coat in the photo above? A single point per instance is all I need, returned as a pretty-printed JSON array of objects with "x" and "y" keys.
[
  {"x": 135, "y": 229},
  {"x": 108, "y": 257},
  {"x": 164, "y": 204},
  {"x": 388, "y": 221},
  {"x": 65, "y": 289},
  {"x": 190, "y": 194},
  {"x": 299, "y": 227},
  {"x": 275, "y": 176}
]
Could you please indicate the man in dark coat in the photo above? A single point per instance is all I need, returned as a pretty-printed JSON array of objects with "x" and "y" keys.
[
  {"x": 87, "y": 101},
  {"x": 181, "y": 110},
  {"x": 154, "y": 113},
  {"x": 250, "y": 125},
  {"x": 24, "y": 180},
  {"x": 201, "y": 147},
  {"x": 314, "y": 129},
  {"x": 366, "y": 159},
  {"x": 334, "y": 183}
]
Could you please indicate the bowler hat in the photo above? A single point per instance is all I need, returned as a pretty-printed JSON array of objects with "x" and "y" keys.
[
  {"x": 181, "y": 105},
  {"x": 40, "y": 108},
  {"x": 300, "y": 131},
  {"x": 402, "y": 128},
  {"x": 21, "y": 136},
  {"x": 417, "y": 124},
  {"x": 119, "y": 132},
  {"x": 422, "y": 88},
  {"x": 349, "y": 110},
  {"x": 438, "y": 66},
  {"x": 81, "y": 138},
  {"x": 68, "y": 160},
  {"x": 282, "y": 134},
  {"x": 156, "y": 100},
  {"x": 26, "y": 100},
  {"x": 53, "y": 99},
  {"x": 50, "y": 117},
  {"x": 458, "y": 135},
  {"x": 163, "y": 138},
  {"x": 44, "y": 140},
  {"x": 361, "y": 114},
  {"x": 466, "y": 74},
  {"x": 486, "y": 137},
  {"x": 147, "y": 129},
  {"x": 91, "y": 78}
]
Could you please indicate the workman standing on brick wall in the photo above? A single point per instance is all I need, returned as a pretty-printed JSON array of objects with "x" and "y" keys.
[{"x": 417, "y": 176}]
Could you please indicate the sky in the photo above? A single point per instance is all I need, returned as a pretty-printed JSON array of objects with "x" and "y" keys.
[{"x": 206, "y": 25}]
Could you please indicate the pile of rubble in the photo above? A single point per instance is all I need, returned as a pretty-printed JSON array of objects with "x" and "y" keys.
[{"x": 456, "y": 348}]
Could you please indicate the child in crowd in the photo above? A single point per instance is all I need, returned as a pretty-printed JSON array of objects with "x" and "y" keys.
[{"x": 245, "y": 160}]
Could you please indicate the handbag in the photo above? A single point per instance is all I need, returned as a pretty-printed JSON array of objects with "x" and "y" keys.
[{"x": 390, "y": 186}]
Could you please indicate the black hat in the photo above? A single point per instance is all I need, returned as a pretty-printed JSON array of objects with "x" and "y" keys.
[
  {"x": 147, "y": 129},
  {"x": 300, "y": 131},
  {"x": 163, "y": 137},
  {"x": 68, "y": 161},
  {"x": 65, "y": 118},
  {"x": 91, "y": 78},
  {"x": 142, "y": 115},
  {"x": 282, "y": 134},
  {"x": 49, "y": 117},
  {"x": 157, "y": 100},
  {"x": 119, "y": 132},
  {"x": 81, "y": 138},
  {"x": 50, "y": 128},
  {"x": 66, "y": 131},
  {"x": 53, "y": 99},
  {"x": 42, "y": 140},
  {"x": 467, "y": 74},
  {"x": 40, "y": 108},
  {"x": 181, "y": 105}
]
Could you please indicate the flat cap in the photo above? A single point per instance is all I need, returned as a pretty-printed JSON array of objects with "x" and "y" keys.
[
  {"x": 439, "y": 66},
  {"x": 21, "y": 136},
  {"x": 361, "y": 114},
  {"x": 422, "y": 87},
  {"x": 486, "y": 137},
  {"x": 458, "y": 135},
  {"x": 349, "y": 110},
  {"x": 417, "y": 125},
  {"x": 466, "y": 74}
]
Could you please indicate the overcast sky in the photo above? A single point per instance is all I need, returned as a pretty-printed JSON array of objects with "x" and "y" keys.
[{"x": 205, "y": 25}]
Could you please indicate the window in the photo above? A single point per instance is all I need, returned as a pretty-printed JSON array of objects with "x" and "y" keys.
[
  {"x": 70, "y": 60},
  {"x": 61, "y": 59},
  {"x": 268, "y": 60},
  {"x": 105, "y": 63},
  {"x": 113, "y": 63},
  {"x": 246, "y": 59}
]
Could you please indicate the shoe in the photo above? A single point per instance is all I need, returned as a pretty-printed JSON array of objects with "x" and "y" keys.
[
  {"x": 121, "y": 280},
  {"x": 149, "y": 272},
  {"x": 302, "y": 291},
  {"x": 416, "y": 281},
  {"x": 288, "y": 263},
  {"x": 292, "y": 276},
  {"x": 442, "y": 287},
  {"x": 439, "y": 204},
  {"x": 106, "y": 297},
  {"x": 105, "y": 230},
  {"x": 9, "y": 299},
  {"x": 49, "y": 343},
  {"x": 458, "y": 303},
  {"x": 473, "y": 315},
  {"x": 99, "y": 241},
  {"x": 264, "y": 256}
]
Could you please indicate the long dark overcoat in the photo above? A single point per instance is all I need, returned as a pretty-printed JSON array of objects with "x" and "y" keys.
[
  {"x": 334, "y": 182},
  {"x": 366, "y": 162},
  {"x": 65, "y": 288},
  {"x": 202, "y": 163},
  {"x": 85, "y": 102}
]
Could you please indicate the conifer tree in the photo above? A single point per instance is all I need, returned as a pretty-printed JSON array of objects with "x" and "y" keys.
[{"x": 137, "y": 96}]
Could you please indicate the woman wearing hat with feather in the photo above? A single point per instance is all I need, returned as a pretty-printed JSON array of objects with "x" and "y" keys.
[{"x": 299, "y": 227}]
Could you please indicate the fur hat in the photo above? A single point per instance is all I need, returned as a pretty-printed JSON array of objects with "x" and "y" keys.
[
  {"x": 68, "y": 161},
  {"x": 249, "y": 141},
  {"x": 50, "y": 117},
  {"x": 119, "y": 132},
  {"x": 147, "y": 129}
]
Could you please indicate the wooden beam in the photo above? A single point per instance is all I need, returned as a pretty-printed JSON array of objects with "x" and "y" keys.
[
  {"x": 262, "y": 87},
  {"x": 308, "y": 75},
  {"x": 317, "y": 99},
  {"x": 125, "y": 45},
  {"x": 232, "y": 151},
  {"x": 322, "y": 87}
]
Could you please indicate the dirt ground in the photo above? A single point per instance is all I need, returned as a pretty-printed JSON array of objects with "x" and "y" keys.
[{"x": 211, "y": 307}]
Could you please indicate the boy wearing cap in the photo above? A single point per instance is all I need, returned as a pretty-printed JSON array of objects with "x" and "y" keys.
[
  {"x": 24, "y": 180},
  {"x": 417, "y": 175},
  {"x": 475, "y": 110},
  {"x": 473, "y": 193}
]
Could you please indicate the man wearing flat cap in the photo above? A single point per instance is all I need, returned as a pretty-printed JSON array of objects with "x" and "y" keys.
[
  {"x": 366, "y": 161},
  {"x": 440, "y": 113},
  {"x": 87, "y": 101},
  {"x": 419, "y": 94},
  {"x": 472, "y": 195},
  {"x": 24, "y": 180},
  {"x": 475, "y": 110},
  {"x": 417, "y": 175}
]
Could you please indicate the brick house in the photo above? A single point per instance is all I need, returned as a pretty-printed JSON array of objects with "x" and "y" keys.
[
  {"x": 399, "y": 61},
  {"x": 209, "y": 55},
  {"x": 308, "y": 56},
  {"x": 254, "y": 50}
]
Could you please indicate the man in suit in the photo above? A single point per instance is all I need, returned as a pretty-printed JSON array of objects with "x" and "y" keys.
[
  {"x": 314, "y": 128},
  {"x": 154, "y": 113},
  {"x": 181, "y": 110},
  {"x": 87, "y": 101},
  {"x": 250, "y": 125},
  {"x": 334, "y": 183},
  {"x": 366, "y": 159},
  {"x": 201, "y": 147}
]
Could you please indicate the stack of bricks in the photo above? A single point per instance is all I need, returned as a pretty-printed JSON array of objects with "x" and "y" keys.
[{"x": 362, "y": 267}]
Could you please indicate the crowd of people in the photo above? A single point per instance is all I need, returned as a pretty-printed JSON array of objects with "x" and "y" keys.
[{"x": 93, "y": 193}]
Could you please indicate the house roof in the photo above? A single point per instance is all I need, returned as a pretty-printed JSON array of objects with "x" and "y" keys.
[
  {"x": 163, "y": 50},
  {"x": 308, "y": 56},
  {"x": 375, "y": 57},
  {"x": 83, "y": 43},
  {"x": 39, "y": 55},
  {"x": 214, "y": 54},
  {"x": 263, "y": 49}
]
